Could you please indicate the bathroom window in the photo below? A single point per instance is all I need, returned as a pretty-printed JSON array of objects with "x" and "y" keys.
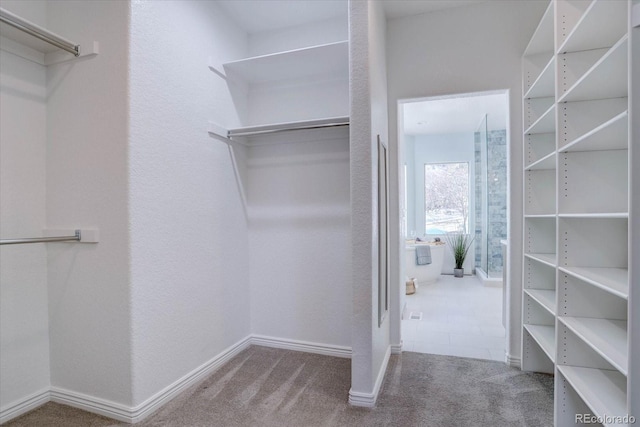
[{"x": 446, "y": 195}]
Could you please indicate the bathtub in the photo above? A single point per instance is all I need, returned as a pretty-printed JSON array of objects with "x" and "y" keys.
[{"x": 424, "y": 274}]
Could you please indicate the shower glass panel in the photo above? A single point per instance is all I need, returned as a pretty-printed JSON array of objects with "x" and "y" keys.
[
  {"x": 480, "y": 138},
  {"x": 491, "y": 198}
]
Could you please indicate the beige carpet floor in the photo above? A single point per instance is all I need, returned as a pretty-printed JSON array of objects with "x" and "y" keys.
[{"x": 272, "y": 387}]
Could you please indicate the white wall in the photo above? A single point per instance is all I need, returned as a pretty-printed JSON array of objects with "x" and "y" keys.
[
  {"x": 189, "y": 242},
  {"x": 314, "y": 33},
  {"x": 371, "y": 343},
  {"x": 299, "y": 219},
  {"x": 87, "y": 137},
  {"x": 24, "y": 320},
  {"x": 463, "y": 50}
]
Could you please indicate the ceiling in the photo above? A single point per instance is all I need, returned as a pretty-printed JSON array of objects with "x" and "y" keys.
[
  {"x": 254, "y": 16},
  {"x": 455, "y": 115},
  {"x": 400, "y": 8}
]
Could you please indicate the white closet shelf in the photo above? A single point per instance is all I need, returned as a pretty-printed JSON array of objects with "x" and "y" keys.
[
  {"x": 607, "y": 337},
  {"x": 546, "y": 123},
  {"x": 545, "y": 336},
  {"x": 599, "y": 215},
  {"x": 328, "y": 59},
  {"x": 545, "y": 297},
  {"x": 610, "y": 135},
  {"x": 548, "y": 259},
  {"x": 541, "y": 216},
  {"x": 286, "y": 126},
  {"x": 603, "y": 391},
  {"x": 546, "y": 162},
  {"x": 612, "y": 280},
  {"x": 542, "y": 39},
  {"x": 544, "y": 85},
  {"x": 607, "y": 78},
  {"x": 601, "y": 25}
]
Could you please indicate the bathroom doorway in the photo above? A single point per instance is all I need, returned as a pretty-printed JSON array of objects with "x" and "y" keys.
[{"x": 455, "y": 180}]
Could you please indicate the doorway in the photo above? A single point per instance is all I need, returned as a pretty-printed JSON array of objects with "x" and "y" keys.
[{"x": 454, "y": 181}]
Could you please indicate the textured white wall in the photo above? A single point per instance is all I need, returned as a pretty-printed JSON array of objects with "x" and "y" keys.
[
  {"x": 368, "y": 119},
  {"x": 299, "y": 219},
  {"x": 89, "y": 299},
  {"x": 24, "y": 322},
  {"x": 189, "y": 242},
  {"x": 310, "y": 34},
  {"x": 462, "y": 50}
]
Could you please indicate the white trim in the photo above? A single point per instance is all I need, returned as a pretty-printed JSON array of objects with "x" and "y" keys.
[
  {"x": 396, "y": 348},
  {"x": 305, "y": 346},
  {"x": 515, "y": 362},
  {"x": 368, "y": 400},
  {"x": 24, "y": 405},
  {"x": 92, "y": 404},
  {"x": 153, "y": 403}
]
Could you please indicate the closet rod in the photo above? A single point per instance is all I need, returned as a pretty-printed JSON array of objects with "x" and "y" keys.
[
  {"x": 38, "y": 32},
  {"x": 75, "y": 237},
  {"x": 232, "y": 133}
]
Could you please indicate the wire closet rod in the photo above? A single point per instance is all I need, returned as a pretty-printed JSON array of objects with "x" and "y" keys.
[
  {"x": 233, "y": 133},
  {"x": 38, "y": 32},
  {"x": 75, "y": 237}
]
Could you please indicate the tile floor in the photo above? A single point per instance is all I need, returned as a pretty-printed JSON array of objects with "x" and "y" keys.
[{"x": 460, "y": 317}]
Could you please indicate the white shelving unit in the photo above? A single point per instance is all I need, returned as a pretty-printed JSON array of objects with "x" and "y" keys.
[{"x": 577, "y": 293}]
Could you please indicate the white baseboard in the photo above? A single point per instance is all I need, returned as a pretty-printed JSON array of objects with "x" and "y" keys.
[
  {"x": 396, "y": 348},
  {"x": 25, "y": 405},
  {"x": 305, "y": 346},
  {"x": 153, "y": 403},
  {"x": 92, "y": 404},
  {"x": 515, "y": 362},
  {"x": 118, "y": 411},
  {"x": 368, "y": 400}
]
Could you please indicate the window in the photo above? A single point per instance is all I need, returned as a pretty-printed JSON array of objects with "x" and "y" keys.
[{"x": 446, "y": 196}]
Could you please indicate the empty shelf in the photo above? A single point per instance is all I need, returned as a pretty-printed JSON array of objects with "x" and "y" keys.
[
  {"x": 604, "y": 392},
  {"x": 328, "y": 59},
  {"x": 545, "y": 336},
  {"x": 607, "y": 337},
  {"x": 610, "y": 135},
  {"x": 549, "y": 259},
  {"x": 612, "y": 280},
  {"x": 545, "y": 297}
]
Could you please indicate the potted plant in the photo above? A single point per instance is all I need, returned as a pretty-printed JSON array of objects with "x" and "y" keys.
[{"x": 459, "y": 244}]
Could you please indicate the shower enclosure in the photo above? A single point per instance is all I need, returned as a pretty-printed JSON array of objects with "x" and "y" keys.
[{"x": 491, "y": 200}]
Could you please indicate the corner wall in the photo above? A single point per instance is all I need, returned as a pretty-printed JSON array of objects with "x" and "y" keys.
[
  {"x": 87, "y": 119},
  {"x": 189, "y": 242},
  {"x": 371, "y": 343},
  {"x": 24, "y": 320},
  {"x": 439, "y": 53}
]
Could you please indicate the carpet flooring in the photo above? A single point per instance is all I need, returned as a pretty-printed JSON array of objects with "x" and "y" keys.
[{"x": 272, "y": 387}]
